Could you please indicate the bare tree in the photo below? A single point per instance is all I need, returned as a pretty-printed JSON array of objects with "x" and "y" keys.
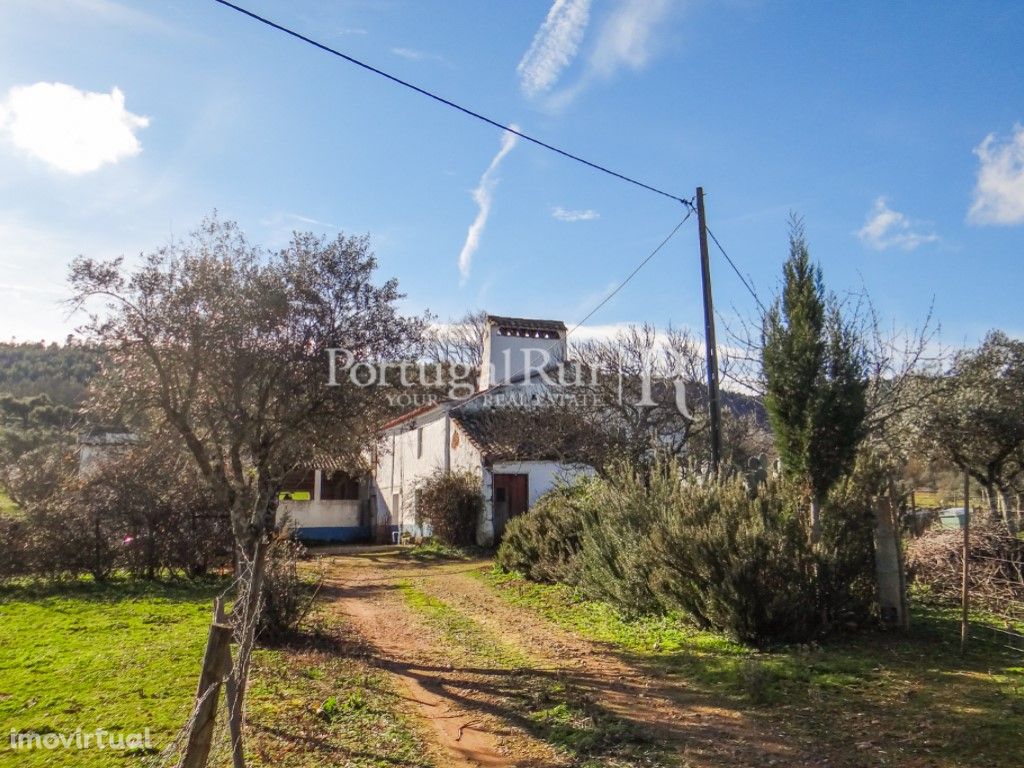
[
  {"x": 458, "y": 341},
  {"x": 648, "y": 387}
]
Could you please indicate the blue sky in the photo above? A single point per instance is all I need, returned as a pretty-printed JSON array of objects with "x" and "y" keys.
[{"x": 893, "y": 128}]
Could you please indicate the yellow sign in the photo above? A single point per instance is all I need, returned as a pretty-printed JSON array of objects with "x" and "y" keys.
[{"x": 293, "y": 496}]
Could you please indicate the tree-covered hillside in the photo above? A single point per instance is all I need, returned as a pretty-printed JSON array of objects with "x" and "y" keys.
[{"x": 59, "y": 371}]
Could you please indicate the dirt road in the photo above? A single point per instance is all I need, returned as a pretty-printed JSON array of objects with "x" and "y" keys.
[{"x": 499, "y": 686}]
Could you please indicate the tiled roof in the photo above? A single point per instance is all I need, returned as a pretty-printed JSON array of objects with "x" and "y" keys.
[
  {"x": 408, "y": 415},
  {"x": 517, "y": 434},
  {"x": 108, "y": 436},
  {"x": 527, "y": 323}
]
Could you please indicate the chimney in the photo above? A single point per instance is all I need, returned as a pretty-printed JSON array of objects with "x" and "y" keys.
[{"x": 514, "y": 345}]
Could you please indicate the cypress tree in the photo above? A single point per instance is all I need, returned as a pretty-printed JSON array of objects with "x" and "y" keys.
[{"x": 815, "y": 382}]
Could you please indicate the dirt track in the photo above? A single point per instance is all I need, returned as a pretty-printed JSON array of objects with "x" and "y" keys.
[{"x": 475, "y": 710}]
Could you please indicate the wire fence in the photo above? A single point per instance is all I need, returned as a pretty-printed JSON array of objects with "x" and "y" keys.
[{"x": 206, "y": 738}]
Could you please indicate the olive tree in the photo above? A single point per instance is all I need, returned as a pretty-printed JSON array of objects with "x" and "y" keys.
[
  {"x": 224, "y": 344},
  {"x": 978, "y": 422}
]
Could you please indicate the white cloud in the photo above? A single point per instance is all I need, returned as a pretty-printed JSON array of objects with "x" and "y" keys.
[
  {"x": 629, "y": 35},
  {"x": 71, "y": 130},
  {"x": 413, "y": 55},
  {"x": 484, "y": 196},
  {"x": 999, "y": 193},
  {"x": 885, "y": 228},
  {"x": 560, "y": 213},
  {"x": 554, "y": 46},
  {"x": 309, "y": 220}
]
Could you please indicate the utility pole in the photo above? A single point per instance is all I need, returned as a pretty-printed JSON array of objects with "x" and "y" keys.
[{"x": 711, "y": 349}]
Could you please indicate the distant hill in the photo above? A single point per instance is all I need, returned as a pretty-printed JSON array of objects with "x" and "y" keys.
[
  {"x": 59, "y": 371},
  {"x": 745, "y": 405}
]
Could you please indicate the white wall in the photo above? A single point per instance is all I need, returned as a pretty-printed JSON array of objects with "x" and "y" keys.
[
  {"x": 542, "y": 475},
  {"x": 399, "y": 469},
  {"x": 93, "y": 455},
  {"x": 511, "y": 355},
  {"x": 334, "y": 518}
]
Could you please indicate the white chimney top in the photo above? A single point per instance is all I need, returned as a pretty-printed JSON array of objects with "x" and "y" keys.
[{"x": 515, "y": 347}]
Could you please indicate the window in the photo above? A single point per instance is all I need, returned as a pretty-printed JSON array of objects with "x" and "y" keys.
[
  {"x": 298, "y": 485},
  {"x": 335, "y": 486}
]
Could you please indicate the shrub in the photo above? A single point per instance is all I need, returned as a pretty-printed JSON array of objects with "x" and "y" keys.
[
  {"x": 286, "y": 595},
  {"x": 737, "y": 562},
  {"x": 143, "y": 511},
  {"x": 615, "y": 544},
  {"x": 36, "y": 473},
  {"x": 733, "y": 560},
  {"x": 13, "y": 546},
  {"x": 544, "y": 544},
  {"x": 48, "y": 541},
  {"x": 451, "y": 504}
]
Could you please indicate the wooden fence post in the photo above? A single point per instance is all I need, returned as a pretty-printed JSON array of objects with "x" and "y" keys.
[
  {"x": 216, "y": 663},
  {"x": 234, "y": 706},
  {"x": 235, "y": 719}
]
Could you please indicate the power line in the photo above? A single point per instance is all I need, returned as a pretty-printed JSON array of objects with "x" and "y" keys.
[
  {"x": 632, "y": 274},
  {"x": 600, "y": 304},
  {"x": 746, "y": 283},
  {"x": 465, "y": 110},
  {"x": 449, "y": 103}
]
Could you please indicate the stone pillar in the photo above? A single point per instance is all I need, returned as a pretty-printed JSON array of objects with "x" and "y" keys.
[{"x": 889, "y": 566}]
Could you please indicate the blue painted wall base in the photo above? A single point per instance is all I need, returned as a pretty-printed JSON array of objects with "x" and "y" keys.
[{"x": 338, "y": 533}]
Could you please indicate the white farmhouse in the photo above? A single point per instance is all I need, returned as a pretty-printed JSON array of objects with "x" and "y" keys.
[{"x": 457, "y": 435}]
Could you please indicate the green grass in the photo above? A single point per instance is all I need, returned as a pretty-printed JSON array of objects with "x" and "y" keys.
[
  {"x": 432, "y": 551},
  {"x": 463, "y": 635},
  {"x": 706, "y": 655},
  {"x": 870, "y": 699},
  {"x": 121, "y": 656},
  {"x": 7, "y": 507},
  {"x": 540, "y": 702},
  {"x": 311, "y": 706},
  {"x": 125, "y": 656}
]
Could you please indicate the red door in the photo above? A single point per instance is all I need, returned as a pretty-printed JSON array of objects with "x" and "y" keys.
[{"x": 510, "y": 497}]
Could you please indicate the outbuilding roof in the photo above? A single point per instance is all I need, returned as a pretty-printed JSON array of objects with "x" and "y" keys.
[{"x": 526, "y": 323}]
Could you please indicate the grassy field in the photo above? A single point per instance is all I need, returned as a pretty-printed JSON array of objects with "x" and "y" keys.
[
  {"x": 125, "y": 657},
  {"x": 313, "y": 705},
  {"x": 881, "y": 699}
]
